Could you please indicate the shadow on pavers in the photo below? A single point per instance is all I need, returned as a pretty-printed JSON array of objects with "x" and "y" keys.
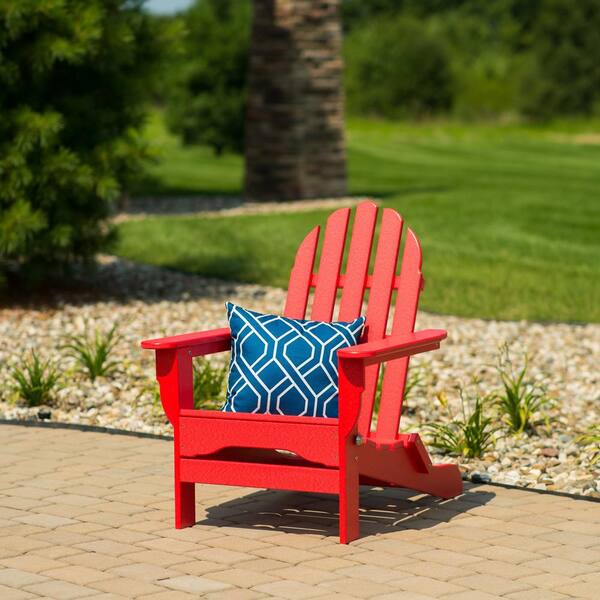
[{"x": 381, "y": 510}]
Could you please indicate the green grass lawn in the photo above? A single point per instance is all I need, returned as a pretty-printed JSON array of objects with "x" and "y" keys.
[
  {"x": 185, "y": 171},
  {"x": 509, "y": 216}
]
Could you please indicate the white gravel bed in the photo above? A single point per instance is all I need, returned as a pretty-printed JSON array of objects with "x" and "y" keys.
[{"x": 147, "y": 302}]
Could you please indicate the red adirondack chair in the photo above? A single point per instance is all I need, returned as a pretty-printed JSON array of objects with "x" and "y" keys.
[{"x": 329, "y": 455}]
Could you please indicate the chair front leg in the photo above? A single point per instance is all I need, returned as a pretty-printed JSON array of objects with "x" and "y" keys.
[
  {"x": 174, "y": 374},
  {"x": 185, "y": 504},
  {"x": 349, "y": 496},
  {"x": 351, "y": 385}
]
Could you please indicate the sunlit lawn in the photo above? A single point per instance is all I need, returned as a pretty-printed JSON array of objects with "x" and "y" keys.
[
  {"x": 509, "y": 217},
  {"x": 185, "y": 171}
]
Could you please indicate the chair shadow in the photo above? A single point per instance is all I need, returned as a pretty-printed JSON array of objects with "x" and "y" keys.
[{"x": 382, "y": 510}]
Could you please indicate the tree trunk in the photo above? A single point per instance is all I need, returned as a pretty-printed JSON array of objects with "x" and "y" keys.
[{"x": 295, "y": 117}]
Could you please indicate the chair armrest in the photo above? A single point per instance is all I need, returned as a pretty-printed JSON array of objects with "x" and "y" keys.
[
  {"x": 198, "y": 342},
  {"x": 351, "y": 372},
  {"x": 174, "y": 365},
  {"x": 394, "y": 347}
]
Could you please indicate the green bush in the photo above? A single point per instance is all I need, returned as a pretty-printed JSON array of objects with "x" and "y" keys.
[
  {"x": 209, "y": 96},
  {"x": 72, "y": 86},
  {"x": 356, "y": 12},
  {"x": 484, "y": 64},
  {"x": 536, "y": 57},
  {"x": 564, "y": 73},
  {"x": 395, "y": 68}
]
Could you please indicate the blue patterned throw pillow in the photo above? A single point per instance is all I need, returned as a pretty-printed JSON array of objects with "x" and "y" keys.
[{"x": 285, "y": 366}]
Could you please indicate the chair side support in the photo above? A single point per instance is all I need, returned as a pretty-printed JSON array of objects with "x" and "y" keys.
[
  {"x": 175, "y": 378},
  {"x": 351, "y": 377}
]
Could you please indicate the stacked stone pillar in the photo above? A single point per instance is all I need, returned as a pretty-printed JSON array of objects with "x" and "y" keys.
[{"x": 295, "y": 121}]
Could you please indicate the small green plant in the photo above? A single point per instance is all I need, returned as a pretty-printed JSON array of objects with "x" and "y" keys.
[
  {"x": 413, "y": 380},
  {"x": 592, "y": 437},
  {"x": 92, "y": 353},
  {"x": 209, "y": 383},
  {"x": 470, "y": 434},
  {"x": 520, "y": 398},
  {"x": 35, "y": 380}
]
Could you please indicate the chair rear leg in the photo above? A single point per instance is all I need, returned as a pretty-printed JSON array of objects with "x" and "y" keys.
[
  {"x": 349, "y": 502},
  {"x": 185, "y": 504}
]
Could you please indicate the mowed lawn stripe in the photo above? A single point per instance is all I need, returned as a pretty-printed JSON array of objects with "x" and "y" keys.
[{"x": 509, "y": 218}]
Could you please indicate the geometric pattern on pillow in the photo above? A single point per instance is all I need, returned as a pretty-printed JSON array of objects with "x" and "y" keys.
[{"x": 285, "y": 366}]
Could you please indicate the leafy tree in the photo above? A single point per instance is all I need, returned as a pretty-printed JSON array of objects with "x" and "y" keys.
[
  {"x": 496, "y": 14},
  {"x": 73, "y": 77},
  {"x": 356, "y": 12},
  {"x": 208, "y": 103},
  {"x": 395, "y": 68},
  {"x": 484, "y": 41},
  {"x": 481, "y": 38},
  {"x": 564, "y": 77}
]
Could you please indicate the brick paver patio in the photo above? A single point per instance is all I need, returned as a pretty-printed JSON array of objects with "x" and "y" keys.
[{"x": 86, "y": 514}]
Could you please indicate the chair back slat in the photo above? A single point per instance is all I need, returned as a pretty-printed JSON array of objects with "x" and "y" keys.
[
  {"x": 357, "y": 266},
  {"x": 330, "y": 265},
  {"x": 301, "y": 276},
  {"x": 384, "y": 275},
  {"x": 407, "y": 301}
]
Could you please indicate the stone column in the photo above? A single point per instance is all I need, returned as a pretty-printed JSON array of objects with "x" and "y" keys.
[{"x": 295, "y": 111}]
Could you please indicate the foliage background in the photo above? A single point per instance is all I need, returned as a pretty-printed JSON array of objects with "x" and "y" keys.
[
  {"x": 396, "y": 68},
  {"x": 465, "y": 59},
  {"x": 534, "y": 58},
  {"x": 206, "y": 101}
]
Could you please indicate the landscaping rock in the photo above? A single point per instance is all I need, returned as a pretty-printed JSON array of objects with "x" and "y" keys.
[
  {"x": 477, "y": 477},
  {"x": 44, "y": 414},
  {"x": 550, "y": 452}
]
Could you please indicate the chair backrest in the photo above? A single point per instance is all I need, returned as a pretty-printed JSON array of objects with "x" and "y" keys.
[{"x": 381, "y": 284}]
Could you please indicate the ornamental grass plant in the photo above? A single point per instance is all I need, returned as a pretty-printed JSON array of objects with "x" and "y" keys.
[
  {"x": 469, "y": 433},
  {"x": 209, "y": 384},
  {"x": 592, "y": 438},
  {"x": 521, "y": 398},
  {"x": 36, "y": 381},
  {"x": 93, "y": 352}
]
